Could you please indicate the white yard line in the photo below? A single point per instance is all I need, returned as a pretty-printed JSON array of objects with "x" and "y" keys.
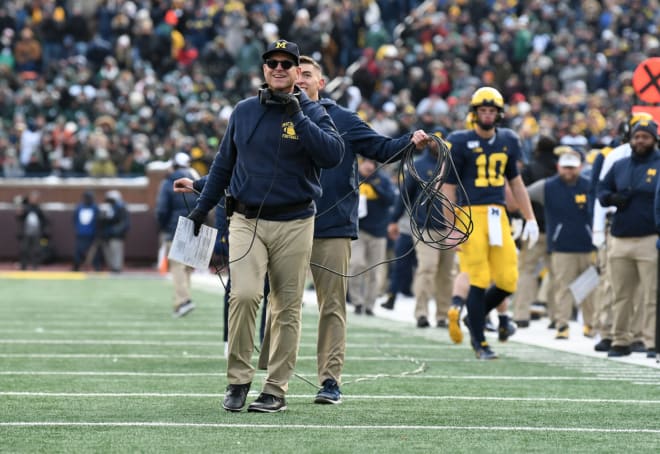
[
  {"x": 511, "y": 378},
  {"x": 325, "y": 427}
]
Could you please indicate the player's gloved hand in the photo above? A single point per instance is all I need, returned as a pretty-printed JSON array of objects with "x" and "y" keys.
[
  {"x": 198, "y": 217},
  {"x": 530, "y": 233},
  {"x": 619, "y": 199},
  {"x": 516, "y": 228},
  {"x": 598, "y": 238}
]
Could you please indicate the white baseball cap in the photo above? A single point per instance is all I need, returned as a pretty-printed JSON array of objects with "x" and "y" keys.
[
  {"x": 181, "y": 159},
  {"x": 569, "y": 159}
]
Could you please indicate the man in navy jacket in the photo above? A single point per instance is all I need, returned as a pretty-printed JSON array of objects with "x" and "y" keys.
[
  {"x": 630, "y": 186},
  {"x": 270, "y": 161},
  {"x": 336, "y": 225},
  {"x": 568, "y": 208}
]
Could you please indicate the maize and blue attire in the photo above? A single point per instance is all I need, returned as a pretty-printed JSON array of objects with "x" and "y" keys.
[
  {"x": 371, "y": 246},
  {"x": 483, "y": 165},
  {"x": 568, "y": 211},
  {"x": 270, "y": 162},
  {"x": 632, "y": 257}
]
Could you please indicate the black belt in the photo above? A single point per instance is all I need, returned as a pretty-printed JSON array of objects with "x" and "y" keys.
[{"x": 252, "y": 212}]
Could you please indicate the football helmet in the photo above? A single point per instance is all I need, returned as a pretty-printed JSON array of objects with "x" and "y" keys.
[{"x": 486, "y": 96}]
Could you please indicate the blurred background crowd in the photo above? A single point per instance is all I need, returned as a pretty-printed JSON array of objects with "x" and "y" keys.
[{"x": 103, "y": 88}]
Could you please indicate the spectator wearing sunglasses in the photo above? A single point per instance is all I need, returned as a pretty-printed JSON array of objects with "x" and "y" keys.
[{"x": 269, "y": 162}]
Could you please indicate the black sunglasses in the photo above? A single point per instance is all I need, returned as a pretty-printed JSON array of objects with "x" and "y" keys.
[{"x": 285, "y": 64}]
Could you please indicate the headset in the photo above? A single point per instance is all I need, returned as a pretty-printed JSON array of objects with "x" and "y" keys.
[{"x": 268, "y": 97}]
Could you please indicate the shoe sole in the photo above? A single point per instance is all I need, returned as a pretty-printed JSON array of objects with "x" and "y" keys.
[
  {"x": 486, "y": 358},
  {"x": 265, "y": 410},
  {"x": 455, "y": 332},
  {"x": 234, "y": 410},
  {"x": 325, "y": 400},
  {"x": 183, "y": 312}
]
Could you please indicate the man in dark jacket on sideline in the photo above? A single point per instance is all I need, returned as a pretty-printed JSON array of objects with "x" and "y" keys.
[{"x": 169, "y": 207}]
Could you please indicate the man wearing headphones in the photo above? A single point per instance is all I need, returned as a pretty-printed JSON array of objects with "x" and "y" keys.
[
  {"x": 269, "y": 161},
  {"x": 336, "y": 225}
]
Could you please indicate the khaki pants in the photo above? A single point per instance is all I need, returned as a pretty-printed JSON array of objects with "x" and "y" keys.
[
  {"x": 367, "y": 251},
  {"x": 282, "y": 249},
  {"x": 603, "y": 296},
  {"x": 434, "y": 278},
  {"x": 334, "y": 254},
  {"x": 566, "y": 267},
  {"x": 633, "y": 263},
  {"x": 331, "y": 286},
  {"x": 180, "y": 278}
]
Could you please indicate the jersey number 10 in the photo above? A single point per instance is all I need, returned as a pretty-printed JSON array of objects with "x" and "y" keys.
[{"x": 490, "y": 170}]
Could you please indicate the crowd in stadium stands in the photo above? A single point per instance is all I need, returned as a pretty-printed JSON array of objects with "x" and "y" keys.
[{"x": 102, "y": 91}]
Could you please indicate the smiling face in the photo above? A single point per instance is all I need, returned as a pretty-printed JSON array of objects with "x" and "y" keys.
[
  {"x": 311, "y": 80},
  {"x": 278, "y": 78}
]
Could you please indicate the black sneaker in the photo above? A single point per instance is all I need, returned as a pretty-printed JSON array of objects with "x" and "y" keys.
[
  {"x": 522, "y": 323},
  {"x": 505, "y": 332},
  {"x": 604, "y": 345},
  {"x": 183, "y": 308},
  {"x": 650, "y": 353},
  {"x": 329, "y": 394},
  {"x": 235, "y": 397},
  {"x": 638, "y": 347},
  {"x": 389, "y": 304},
  {"x": 369, "y": 312},
  {"x": 484, "y": 352},
  {"x": 442, "y": 323},
  {"x": 267, "y": 403},
  {"x": 619, "y": 350},
  {"x": 552, "y": 325},
  {"x": 423, "y": 322},
  {"x": 358, "y": 309}
]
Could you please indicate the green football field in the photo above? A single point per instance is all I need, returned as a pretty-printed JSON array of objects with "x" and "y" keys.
[{"x": 97, "y": 364}]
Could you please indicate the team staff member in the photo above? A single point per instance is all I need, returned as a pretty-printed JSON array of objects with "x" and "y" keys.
[
  {"x": 568, "y": 206},
  {"x": 485, "y": 157},
  {"x": 370, "y": 248},
  {"x": 435, "y": 267},
  {"x": 169, "y": 207},
  {"x": 270, "y": 160},
  {"x": 600, "y": 229},
  {"x": 630, "y": 186},
  {"x": 336, "y": 225}
]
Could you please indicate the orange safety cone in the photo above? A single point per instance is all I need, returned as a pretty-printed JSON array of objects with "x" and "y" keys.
[{"x": 162, "y": 261}]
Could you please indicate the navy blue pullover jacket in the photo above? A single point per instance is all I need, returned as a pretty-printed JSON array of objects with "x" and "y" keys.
[
  {"x": 268, "y": 159},
  {"x": 170, "y": 205},
  {"x": 568, "y": 214},
  {"x": 637, "y": 177},
  {"x": 338, "y": 206},
  {"x": 425, "y": 216},
  {"x": 380, "y": 194}
]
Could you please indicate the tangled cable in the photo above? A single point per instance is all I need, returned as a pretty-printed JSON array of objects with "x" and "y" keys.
[{"x": 445, "y": 224}]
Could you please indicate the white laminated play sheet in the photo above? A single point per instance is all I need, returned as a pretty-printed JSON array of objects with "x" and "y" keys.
[{"x": 191, "y": 250}]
